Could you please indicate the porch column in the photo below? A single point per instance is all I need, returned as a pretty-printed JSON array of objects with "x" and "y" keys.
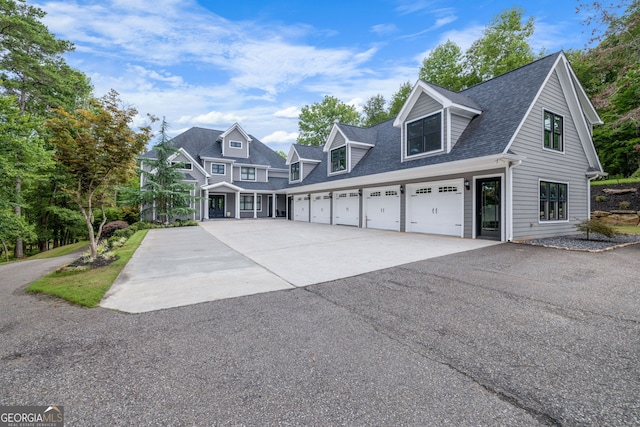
[
  {"x": 206, "y": 205},
  {"x": 237, "y": 205},
  {"x": 255, "y": 205},
  {"x": 286, "y": 206},
  {"x": 273, "y": 205}
]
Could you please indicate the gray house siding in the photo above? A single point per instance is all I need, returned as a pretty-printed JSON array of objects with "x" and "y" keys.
[
  {"x": 569, "y": 167},
  {"x": 307, "y": 168},
  {"x": 273, "y": 173},
  {"x": 261, "y": 174},
  {"x": 357, "y": 153},
  {"x": 337, "y": 141},
  {"x": 424, "y": 105},
  {"x": 458, "y": 125},
  {"x": 236, "y": 135}
]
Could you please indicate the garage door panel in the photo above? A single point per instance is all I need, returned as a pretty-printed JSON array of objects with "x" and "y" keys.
[
  {"x": 301, "y": 208},
  {"x": 346, "y": 207},
  {"x": 321, "y": 208},
  {"x": 382, "y": 208},
  {"x": 435, "y": 207}
]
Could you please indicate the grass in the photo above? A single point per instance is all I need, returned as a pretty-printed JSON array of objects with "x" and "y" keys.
[
  {"x": 627, "y": 229},
  {"x": 615, "y": 181},
  {"x": 87, "y": 287},
  {"x": 60, "y": 251}
]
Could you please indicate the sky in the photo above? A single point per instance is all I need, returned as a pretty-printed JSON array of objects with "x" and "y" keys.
[{"x": 214, "y": 63}]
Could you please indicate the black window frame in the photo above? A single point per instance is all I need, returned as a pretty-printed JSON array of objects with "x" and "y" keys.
[
  {"x": 245, "y": 176},
  {"x": 422, "y": 134},
  {"x": 553, "y": 131},
  {"x": 554, "y": 201},
  {"x": 246, "y": 203},
  {"x": 294, "y": 171},
  {"x": 183, "y": 165},
  {"x": 339, "y": 159},
  {"x": 224, "y": 170},
  {"x": 239, "y": 147}
]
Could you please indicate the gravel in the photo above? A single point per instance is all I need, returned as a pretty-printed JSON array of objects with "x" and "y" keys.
[{"x": 580, "y": 242}]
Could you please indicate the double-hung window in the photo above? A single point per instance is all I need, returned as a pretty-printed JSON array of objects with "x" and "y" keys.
[
  {"x": 424, "y": 135},
  {"x": 247, "y": 174},
  {"x": 553, "y": 201},
  {"x": 295, "y": 171},
  {"x": 553, "y": 129},
  {"x": 217, "y": 168},
  {"x": 339, "y": 159},
  {"x": 246, "y": 203}
]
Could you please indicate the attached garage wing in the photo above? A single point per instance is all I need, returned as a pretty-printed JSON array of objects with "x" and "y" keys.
[
  {"x": 346, "y": 207},
  {"x": 436, "y": 208},
  {"x": 301, "y": 208},
  {"x": 382, "y": 208},
  {"x": 321, "y": 208}
]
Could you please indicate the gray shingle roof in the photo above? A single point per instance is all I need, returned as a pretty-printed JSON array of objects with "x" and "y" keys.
[
  {"x": 273, "y": 184},
  {"x": 504, "y": 101},
  {"x": 309, "y": 152},
  {"x": 358, "y": 134}
]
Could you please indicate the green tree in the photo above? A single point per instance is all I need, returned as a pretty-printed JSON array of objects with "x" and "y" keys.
[
  {"x": 399, "y": 98},
  {"x": 163, "y": 189},
  {"x": 97, "y": 149},
  {"x": 503, "y": 47},
  {"x": 444, "y": 66},
  {"x": 375, "y": 111},
  {"x": 316, "y": 120}
]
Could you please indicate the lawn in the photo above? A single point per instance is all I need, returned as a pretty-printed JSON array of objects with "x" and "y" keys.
[
  {"x": 615, "y": 181},
  {"x": 627, "y": 229},
  {"x": 87, "y": 287}
]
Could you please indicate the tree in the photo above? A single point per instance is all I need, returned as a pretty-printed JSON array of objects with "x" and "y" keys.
[
  {"x": 316, "y": 120},
  {"x": 163, "y": 189},
  {"x": 97, "y": 149},
  {"x": 503, "y": 47},
  {"x": 375, "y": 111},
  {"x": 399, "y": 98},
  {"x": 444, "y": 66}
]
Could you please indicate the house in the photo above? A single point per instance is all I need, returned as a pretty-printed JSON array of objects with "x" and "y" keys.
[
  {"x": 507, "y": 159},
  {"x": 234, "y": 174}
]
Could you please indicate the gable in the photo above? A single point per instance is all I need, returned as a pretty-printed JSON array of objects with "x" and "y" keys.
[{"x": 424, "y": 106}]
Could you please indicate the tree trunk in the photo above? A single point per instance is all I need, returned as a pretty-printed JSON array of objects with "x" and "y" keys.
[{"x": 19, "y": 249}]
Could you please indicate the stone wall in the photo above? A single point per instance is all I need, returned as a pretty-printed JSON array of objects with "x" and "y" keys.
[{"x": 618, "y": 217}]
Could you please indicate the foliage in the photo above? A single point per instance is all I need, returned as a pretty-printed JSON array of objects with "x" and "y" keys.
[
  {"x": 594, "y": 225},
  {"x": 111, "y": 227},
  {"x": 87, "y": 287},
  {"x": 615, "y": 181},
  {"x": 281, "y": 154},
  {"x": 374, "y": 111},
  {"x": 96, "y": 148},
  {"x": 316, "y": 120},
  {"x": 399, "y": 98},
  {"x": 444, "y": 66},
  {"x": 163, "y": 189}
]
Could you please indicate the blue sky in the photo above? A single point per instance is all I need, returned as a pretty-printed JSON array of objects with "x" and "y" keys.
[{"x": 214, "y": 63}]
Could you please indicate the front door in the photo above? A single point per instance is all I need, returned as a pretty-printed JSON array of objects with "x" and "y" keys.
[
  {"x": 488, "y": 210},
  {"x": 216, "y": 206}
]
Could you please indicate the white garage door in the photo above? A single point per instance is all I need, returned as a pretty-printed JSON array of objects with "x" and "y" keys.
[
  {"x": 382, "y": 208},
  {"x": 301, "y": 208},
  {"x": 436, "y": 207},
  {"x": 321, "y": 208},
  {"x": 346, "y": 207}
]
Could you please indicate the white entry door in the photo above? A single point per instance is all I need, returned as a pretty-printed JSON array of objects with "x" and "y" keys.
[
  {"x": 346, "y": 207},
  {"x": 301, "y": 208},
  {"x": 382, "y": 208},
  {"x": 436, "y": 207},
  {"x": 321, "y": 208}
]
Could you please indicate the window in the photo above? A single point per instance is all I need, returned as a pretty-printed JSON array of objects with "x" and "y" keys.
[
  {"x": 217, "y": 168},
  {"x": 426, "y": 190},
  {"x": 339, "y": 159},
  {"x": 424, "y": 135},
  {"x": 247, "y": 174},
  {"x": 553, "y": 131},
  {"x": 235, "y": 144},
  {"x": 295, "y": 171},
  {"x": 246, "y": 203},
  {"x": 183, "y": 165},
  {"x": 553, "y": 201}
]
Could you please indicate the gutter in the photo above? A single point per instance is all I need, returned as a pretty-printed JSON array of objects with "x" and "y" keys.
[{"x": 510, "y": 167}]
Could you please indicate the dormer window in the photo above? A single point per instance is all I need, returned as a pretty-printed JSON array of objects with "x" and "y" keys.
[
  {"x": 424, "y": 135},
  {"x": 339, "y": 159},
  {"x": 235, "y": 144},
  {"x": 294, "y": 172}
]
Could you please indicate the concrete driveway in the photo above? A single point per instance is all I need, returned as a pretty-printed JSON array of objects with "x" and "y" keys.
[{"x": 226, "y": 259}]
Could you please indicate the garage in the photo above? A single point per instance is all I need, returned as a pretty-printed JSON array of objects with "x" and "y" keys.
[
  {"x": 301, "y": 208},
  {"x": 321, "y": 208},
  {"x": 382, "y": 208},
  {"x": 436, "y": 207},
  {"x": 346, "y": 207}
]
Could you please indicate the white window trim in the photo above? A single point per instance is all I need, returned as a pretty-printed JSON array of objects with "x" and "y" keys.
[
  {"x": 299, "y": 171},
  {"x": 219, "y": 164},
  {"x": 259, "y": 196},
  {"x": 443, "y": 142},
  {"x": 347, "y": 160},
  {"x": 235, "y": 148},
  {"x": 552, "y": 221},
  {"x": 564, "y": 139},
  {"x": 255, "y": 174}
]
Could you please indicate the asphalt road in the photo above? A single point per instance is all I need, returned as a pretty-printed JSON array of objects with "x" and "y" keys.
[{"x": 505, "y": 335}]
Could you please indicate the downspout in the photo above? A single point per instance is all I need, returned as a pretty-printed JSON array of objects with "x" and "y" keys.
[{"x": 509, "y": 231}]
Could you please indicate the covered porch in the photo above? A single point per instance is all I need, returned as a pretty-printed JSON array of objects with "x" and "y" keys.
[{"x": 226, "y": 200}]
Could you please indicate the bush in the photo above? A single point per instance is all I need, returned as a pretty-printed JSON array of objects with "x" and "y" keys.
[
  {"x": 624, "y": 204},
  {"x": 111, "y": 227},
  {"x": 595, "y": 225},
  {"x": 601, "y": 198}
]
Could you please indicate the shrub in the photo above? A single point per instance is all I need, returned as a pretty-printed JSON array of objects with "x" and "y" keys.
[
  {"x": 595, "y": 225},
  {"x": 601, "y": 198},
  {"x": 111, "y": 227},
  {"x": 624, "y": 204}
]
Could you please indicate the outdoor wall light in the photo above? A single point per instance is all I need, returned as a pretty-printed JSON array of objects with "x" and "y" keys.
[
  {"x": 402, "y": 189},
  {"x": 467, "y": 185}
]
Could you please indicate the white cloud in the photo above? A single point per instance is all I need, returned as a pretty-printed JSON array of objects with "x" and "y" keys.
[
  {"x": 289, "y": 112},
  {"x": 406, "y": 7},
  {"x": 212, "y": 118},
  {"x": 280, "y": 137},
  {"x": 384, "y": 29}
]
